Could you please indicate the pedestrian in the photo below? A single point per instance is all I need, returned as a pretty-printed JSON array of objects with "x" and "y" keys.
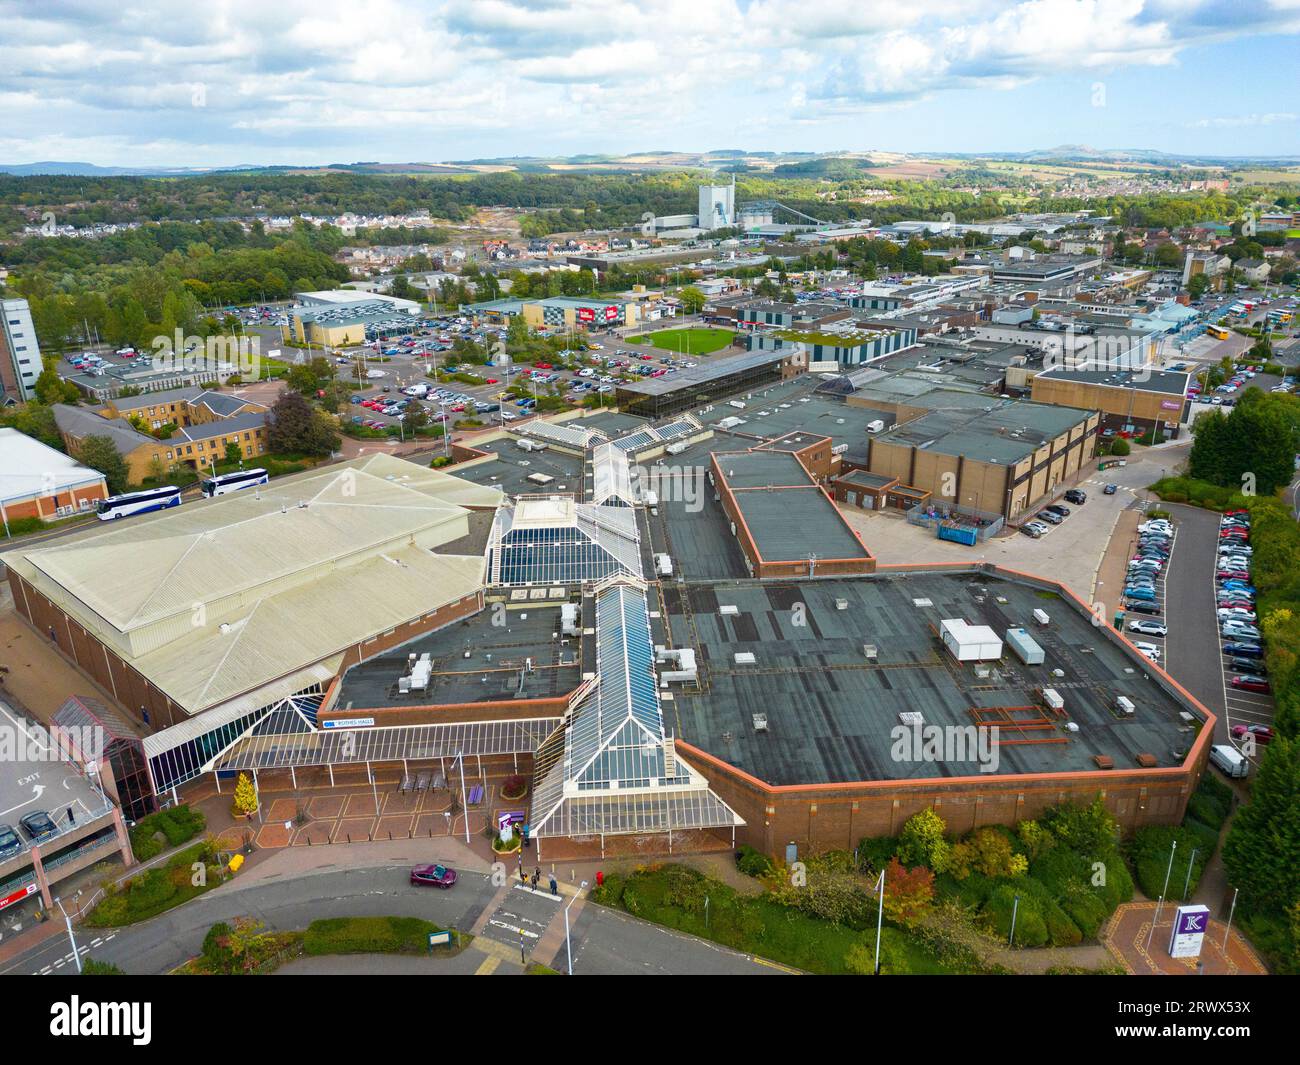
[
  {"x": 523, "y": 877},
  {"x": 54, "y": 636},
  {"x": 555, "y": 888},
  {"x": 537, "y": 875}
]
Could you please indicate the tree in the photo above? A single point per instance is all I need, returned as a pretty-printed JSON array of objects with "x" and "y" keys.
[
  {"x": 234, "y": 454},
  {"x": 921, "y": 842},
  {"x": 692, "y": 298},
  {"x": 1120, "y": 446},
  {"x": 1259, "y": 853},
  {"x": 245, "y": 796},
  {"x": 51, "y": 388},
  {"x": 908, "y": 893},
  {"x": 100, "y": 453},
  {"x": 1197, "y": 286},
  {"x": 295, "y": 426}
]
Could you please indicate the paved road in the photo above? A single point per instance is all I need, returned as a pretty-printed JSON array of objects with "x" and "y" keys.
[
  {"x": 606, "y": 943},
  {"x": 1193, "y": 657}
]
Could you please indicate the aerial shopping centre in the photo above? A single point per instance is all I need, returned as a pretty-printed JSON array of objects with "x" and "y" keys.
[{"x": 727, "y": 664}]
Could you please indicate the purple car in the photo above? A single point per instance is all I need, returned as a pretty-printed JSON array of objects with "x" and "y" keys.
[{"x": 433, "y": 876}]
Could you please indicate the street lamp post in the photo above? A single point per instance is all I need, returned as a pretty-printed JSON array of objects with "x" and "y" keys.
[
  {"x": 76, "y": 954},
  {"x": 568, "y": 945}
]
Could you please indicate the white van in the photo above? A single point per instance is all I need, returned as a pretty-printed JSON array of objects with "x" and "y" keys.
[{"x": 1230, "y": 760}]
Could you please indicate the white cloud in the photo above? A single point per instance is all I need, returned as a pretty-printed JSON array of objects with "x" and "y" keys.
[{"x": 336, "y": 79}]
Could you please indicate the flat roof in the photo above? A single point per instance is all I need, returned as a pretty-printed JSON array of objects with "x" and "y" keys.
[
  {"x": 497, "y": 667},
  {"x": 787, "y": 514},
  {"x": 513, "y": 466},
  {"x": 703, "y": 373},
  {"x": 830, "y": 709},
  {"x": 1166, "y": 382},
  {"x": 1011, "y": 431}
]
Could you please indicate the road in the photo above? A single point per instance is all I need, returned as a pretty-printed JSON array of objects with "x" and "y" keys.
[{"x": 605, "y": 942}]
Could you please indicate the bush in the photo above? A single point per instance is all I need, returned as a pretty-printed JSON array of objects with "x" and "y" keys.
[
  {"x": 91, "y": 967},
  {"x": 1150, "y": 849},
  {"x": 754, "y": 863},
  {"x": 1031, "y": 928},
  {"x": 1120, "y": 447},
  {"x": 874, "y": 852}
]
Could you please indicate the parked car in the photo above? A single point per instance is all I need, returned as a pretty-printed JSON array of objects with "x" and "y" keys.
[
  {"x": 1076, "y": 496},
  {"x": 1243, "y": 649},
  {"x": 1150, "y": 650},
  {"x": 10, "y": 842},
  {"x": 1247, "y": 665},
  {"x": 1140, "y": 607},
  {"x": 1251, "y": 684},
  {"x": 1049, "y": 516},
  {"x": 38, "y": 825},
  {"x": 1262, "y": 733},
  {"x": 1056, "y": 508},
  {"x": 1140, "y": 593},
  {"x": 1148, "y": 628}
]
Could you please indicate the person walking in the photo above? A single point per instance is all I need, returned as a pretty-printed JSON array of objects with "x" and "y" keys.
[{"x": 555, "y": 888}]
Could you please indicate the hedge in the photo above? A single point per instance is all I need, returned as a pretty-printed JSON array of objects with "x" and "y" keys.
[
  {"x": 178, "y": 825},
  {"x": 1149, "y": 851}
]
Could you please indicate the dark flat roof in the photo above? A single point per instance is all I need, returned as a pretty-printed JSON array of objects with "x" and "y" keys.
[
  {"x": 1167, "y": 382},
  {"x": 703, "y": 373},
  {"x": 495, "y": 670},
  {"x": 790, "y": 524},
  {"x": 830, "y": 709}
]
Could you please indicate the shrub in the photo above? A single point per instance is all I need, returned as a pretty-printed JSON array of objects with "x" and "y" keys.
[
  {"x": 1150, "y": 851},
  {"x": 1120, "y": 446},
  {"x": 921, "y": 841},
  {"x": 874, "y": 852},
  {"x": 91, "y": 967},
  {"x": 754, "y": 863},
  {"x": 1031, "y": 928}
]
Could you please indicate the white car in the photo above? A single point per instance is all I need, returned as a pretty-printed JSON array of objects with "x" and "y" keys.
[
  {"x": 1147, "y": 628},
  {"x": 1156, "y": 525},
  {"x": 1150, "y": 650}
]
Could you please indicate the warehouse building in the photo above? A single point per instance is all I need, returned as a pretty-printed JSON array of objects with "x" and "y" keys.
[
  {"x": 202, "y": 620},
  {"x": 1131, "y": 402},
  {"x": 38, "y": 482},
  {"x": 659, "y": 397}
]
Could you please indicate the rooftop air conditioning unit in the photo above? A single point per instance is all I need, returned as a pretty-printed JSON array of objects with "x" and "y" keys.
[{"x": 760, "y": 722}]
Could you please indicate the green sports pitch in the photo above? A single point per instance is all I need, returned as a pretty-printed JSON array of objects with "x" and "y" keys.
[{"x": 689, "y": 341}]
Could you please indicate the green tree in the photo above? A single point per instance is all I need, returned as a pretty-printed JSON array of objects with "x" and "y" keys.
[
  {"x": 921, "y": 842},
  {"x": 692, "y": 298},
  {"x": 100, "y": 453},
  {"x": 295, "y": 426},
  {"x": 1259, "y": 853},
  {"x": 51, "y": 388}
]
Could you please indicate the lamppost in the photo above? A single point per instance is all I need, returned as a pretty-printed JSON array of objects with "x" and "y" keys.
[
  {"x": 568, "y": 945},
  {"x": 76, "y": 954}
]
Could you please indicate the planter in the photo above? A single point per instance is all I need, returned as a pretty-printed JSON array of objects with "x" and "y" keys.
[{"x": 512, "y": 847}]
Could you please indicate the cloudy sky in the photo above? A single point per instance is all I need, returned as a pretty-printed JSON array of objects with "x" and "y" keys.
[{"x": 227, "y": 82}]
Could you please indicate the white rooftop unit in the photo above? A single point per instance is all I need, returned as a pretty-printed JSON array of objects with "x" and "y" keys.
[
  {"x": 1052, "y": 698},
  {"x": 969, "y": 643},
  {"x": 1041, "y": 617},
  {"x": 569, "y": 619},
  {"x": 1025, "y": 647},
  {"x": 1124, "y": 704}
]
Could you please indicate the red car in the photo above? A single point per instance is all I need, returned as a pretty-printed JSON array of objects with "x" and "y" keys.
[
  {"x": 1251, "y": 684},
  {"x": 1262, "y": 733},
  {"x": 433, "y": 876},
  {"x": 544, "y": 366}
]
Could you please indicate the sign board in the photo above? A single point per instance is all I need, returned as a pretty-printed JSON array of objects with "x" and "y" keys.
[
  {"x": 586, "y": 314},
  {"x": 611, "y": 313},
  {"x": 349, "y": 722},
  {"x": 19, "y": 895},
  {"x": 439, "y": 939},
  {"x": 1170, "y": 404},
  {"x": 1190, "y": 923}
]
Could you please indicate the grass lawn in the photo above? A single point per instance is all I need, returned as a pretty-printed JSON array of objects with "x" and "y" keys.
[{"x": 691, "y": 341}]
